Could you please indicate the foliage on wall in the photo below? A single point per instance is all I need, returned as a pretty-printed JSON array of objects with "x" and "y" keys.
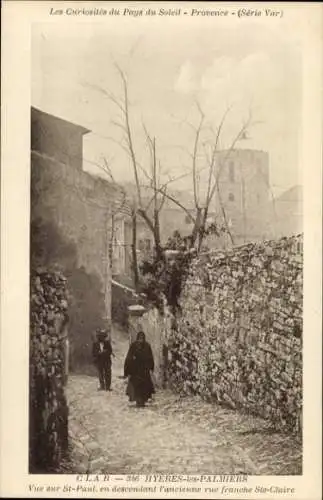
[{"x": 163, "y": 275}]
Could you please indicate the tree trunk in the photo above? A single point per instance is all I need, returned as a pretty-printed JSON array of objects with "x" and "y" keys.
[
  {"x": 134, "y": 251},
  {"x": 112, "y": 242},
  {"x": 201, "y": 232},
  {"x": 158, "y": 249},
  {"x": 197, "y": 226}
]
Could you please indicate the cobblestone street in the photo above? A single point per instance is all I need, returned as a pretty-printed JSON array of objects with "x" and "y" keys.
[{"x": 171, "y": 435}]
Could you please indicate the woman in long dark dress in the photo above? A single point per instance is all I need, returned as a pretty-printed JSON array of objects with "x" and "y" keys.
[{"x": 137, "y": 367}]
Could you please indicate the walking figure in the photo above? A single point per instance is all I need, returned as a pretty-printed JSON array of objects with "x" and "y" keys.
[
  {"x": 102, "y": 352},
  {"x": 138, "y": 366}
]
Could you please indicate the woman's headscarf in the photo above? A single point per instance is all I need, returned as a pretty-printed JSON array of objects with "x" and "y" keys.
[{"x": 142, "y": 335}]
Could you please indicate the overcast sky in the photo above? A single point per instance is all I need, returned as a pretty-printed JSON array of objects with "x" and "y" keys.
[{"x": 170, "y": 63}]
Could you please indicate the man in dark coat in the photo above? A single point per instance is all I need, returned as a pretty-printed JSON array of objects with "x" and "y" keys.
[
  {"x": 138, "y": 366},
  {"x": 102, "y": 352}
]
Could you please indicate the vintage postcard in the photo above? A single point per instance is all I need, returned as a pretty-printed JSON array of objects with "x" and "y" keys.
[{"x": 161, "y": 250}]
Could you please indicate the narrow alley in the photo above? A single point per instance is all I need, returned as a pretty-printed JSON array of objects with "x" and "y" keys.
[{"x": 171, "y": 435}]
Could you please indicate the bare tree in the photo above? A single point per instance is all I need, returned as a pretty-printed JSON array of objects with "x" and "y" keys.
[
  {"x": 150, "y": 212},
  {"x": 139, "y": 206},
  {"x": 213, "y": 167}
]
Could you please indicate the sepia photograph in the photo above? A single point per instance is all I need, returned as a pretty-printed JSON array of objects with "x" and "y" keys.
[
  {"x": 161, "y": 209},
  {"x": 166, "y": 247}
]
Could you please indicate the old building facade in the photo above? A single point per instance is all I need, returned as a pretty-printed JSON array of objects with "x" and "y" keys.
[
  {"x": 241, "y": 203},
  {"x": 122, "y": 237},
  {"x": 71, "y": 222},
  {"x": 244, "y": 188},
  {"x": 285, "y": 213}
]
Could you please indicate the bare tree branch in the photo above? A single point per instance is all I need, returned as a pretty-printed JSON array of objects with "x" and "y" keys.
[
  {"x": 124, "y": 107},
  {"x": 216, "y": 187},
  {"x": 175, "y": 146},
  {"x": 108, "y": 170},
  {"x": 195, "y": 150},
  {"x": 176, "y": 202},
  {"x": 150, "y": 148},
  {"x": 119, "y": 125},
  {"x": 212, "y": 163},
  {"x": 156, "y": 211},
  {"x": 162, "y": 200},
  {"x": 107, "y": 94},
  {"x": 161, "y": 189},
  {"x": 244, "y": 127},
  {"x": 224, "y": 215},
  {"x": 129, "y": 135}
]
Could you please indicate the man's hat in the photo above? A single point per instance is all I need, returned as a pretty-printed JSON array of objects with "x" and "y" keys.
[{"x": 101, "y": 331}]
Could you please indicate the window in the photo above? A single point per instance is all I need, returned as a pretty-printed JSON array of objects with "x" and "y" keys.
[
  {"x": 188, "y": 219},
  {"x": 231, "y": 171},
  {"x": 141, "y": 245},
  {"x": 147, "y": 245},
  {"x": 231, "y": 197}
]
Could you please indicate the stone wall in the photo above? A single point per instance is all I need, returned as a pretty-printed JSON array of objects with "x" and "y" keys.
[
  {"x": 48, "y": 411},
  {"x": 238, "y": 340}
]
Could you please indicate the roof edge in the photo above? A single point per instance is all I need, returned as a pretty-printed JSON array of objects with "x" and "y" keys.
[{"x": 80, "y": 127}]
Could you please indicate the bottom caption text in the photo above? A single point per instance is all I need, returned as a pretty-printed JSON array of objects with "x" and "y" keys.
[{"x": 161, "y": 485}]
